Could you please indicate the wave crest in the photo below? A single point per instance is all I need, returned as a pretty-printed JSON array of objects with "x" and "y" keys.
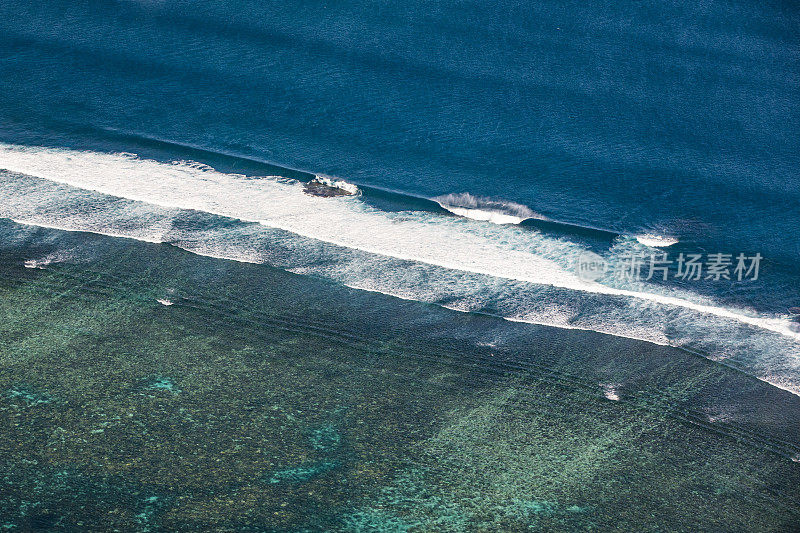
[
  {"x": 656, "y": 241},
  {"x": 487, "y": 209}
]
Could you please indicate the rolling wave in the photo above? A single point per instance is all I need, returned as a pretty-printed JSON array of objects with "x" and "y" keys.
[
  {"x": 506, "y": 212},
  {"x": 656, "y": 241},
  {"x": 479, "y": 208},
  {"x": 501, "y": 269}
]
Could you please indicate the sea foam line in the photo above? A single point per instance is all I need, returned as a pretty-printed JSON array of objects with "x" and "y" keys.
[{"x": 339, "y": 221}]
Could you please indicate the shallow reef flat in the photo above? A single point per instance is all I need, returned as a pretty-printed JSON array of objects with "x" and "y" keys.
[{"x": 143, "y": 388}]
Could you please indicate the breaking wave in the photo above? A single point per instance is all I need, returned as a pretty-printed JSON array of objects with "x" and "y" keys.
[
  {"x": 656, "y": 241},
  {"x": 486, "y": 209}
]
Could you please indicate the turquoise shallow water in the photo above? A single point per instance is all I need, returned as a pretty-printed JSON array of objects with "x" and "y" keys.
[{"x": 261, "y": 400}]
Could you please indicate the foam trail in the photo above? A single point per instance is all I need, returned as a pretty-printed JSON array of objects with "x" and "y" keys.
[
  {"x": 341, "y": 221},
  {"x": 64, "y": 227}
]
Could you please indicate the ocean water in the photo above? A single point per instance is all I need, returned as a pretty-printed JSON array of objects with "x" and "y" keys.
[{"x": 192, "y": 341}]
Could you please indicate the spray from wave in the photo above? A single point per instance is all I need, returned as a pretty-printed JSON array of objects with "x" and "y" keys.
[
  {"x": 42, "y": 262},
  {"x": 486, "y": 209},
  {"x": 656, "y": 241}
]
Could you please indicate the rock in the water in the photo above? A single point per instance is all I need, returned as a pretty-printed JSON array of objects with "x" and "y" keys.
[{"x": 327, "y": 188}]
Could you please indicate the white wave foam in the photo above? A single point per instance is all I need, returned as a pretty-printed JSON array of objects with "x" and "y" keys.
[
  {"x": 36, "y": 263},
  {"x": 485, "y": 209},
  {"x": 508, "y": 253},
  {"x": 282, "y": 205},
  {"x": 42, "y": 262},
  {"x": 656, "y": 241},
  {"x": 610, "y": 391}
]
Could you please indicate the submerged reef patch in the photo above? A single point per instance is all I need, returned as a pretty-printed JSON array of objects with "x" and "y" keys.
[
  {"x": 302, "y": 473},
  {"x": 164, "y": 384},
  {"x": 28, "y": 396}
]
